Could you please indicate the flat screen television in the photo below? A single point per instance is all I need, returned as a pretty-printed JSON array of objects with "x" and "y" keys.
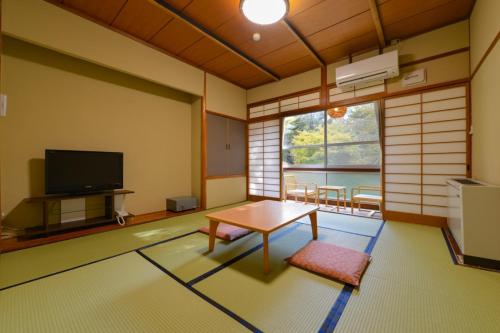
[{"x": 75, "y": 172}]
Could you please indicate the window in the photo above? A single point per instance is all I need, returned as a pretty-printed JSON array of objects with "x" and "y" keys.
[
  {"x": 303, "y": 140},
  {"x": 351, "y": 139}
]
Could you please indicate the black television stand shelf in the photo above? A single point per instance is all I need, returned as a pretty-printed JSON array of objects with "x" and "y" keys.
[{"x": 47, "y": 229}]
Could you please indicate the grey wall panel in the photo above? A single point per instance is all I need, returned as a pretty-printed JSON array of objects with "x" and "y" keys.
[
  {"x": 216, "y": 145},
  {"x": 236, "y": 153}
]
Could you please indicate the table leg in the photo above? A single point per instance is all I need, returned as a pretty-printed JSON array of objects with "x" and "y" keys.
[
  {"x": 314, "y": 224},
  {"x": 211, "y": 236},
  {"x": 265, "y": 241}
]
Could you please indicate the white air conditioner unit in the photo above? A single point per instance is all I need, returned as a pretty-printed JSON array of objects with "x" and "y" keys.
[{"x": 380, "y": 67}]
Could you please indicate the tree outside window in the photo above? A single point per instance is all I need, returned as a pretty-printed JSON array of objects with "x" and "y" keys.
[{"x": 351, "y": 141}]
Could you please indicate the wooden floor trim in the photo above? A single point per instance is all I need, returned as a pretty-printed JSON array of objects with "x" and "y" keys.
[{"x": 435, "y": 221}]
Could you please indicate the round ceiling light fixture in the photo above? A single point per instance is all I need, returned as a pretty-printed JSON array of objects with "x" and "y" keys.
[{"x": 264, "y": 11}]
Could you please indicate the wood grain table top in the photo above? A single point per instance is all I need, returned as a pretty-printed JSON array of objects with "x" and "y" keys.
[{"x": 263, "y": 216}]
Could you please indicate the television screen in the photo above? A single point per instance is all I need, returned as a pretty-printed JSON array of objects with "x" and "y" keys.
[{"x": 71, "y": 171}]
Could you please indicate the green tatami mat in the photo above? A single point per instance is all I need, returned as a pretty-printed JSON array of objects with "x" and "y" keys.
[
  {"x": 123, "y": 294},
  {"x": 20, "y": 266},
  {"x": 417, "y": 256},
  {"x": 187, "y": 257},
  {"x": 412, "y": 285},
  {"x": 288, "y": 299},
  {"x": 356, "y": 224}
]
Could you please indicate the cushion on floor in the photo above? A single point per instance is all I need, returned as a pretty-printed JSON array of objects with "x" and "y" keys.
[
  {"x": 227, "y": 232},
  {"x": 332, "y": 261}
]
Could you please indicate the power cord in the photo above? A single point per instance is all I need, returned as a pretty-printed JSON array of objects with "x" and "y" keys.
[{"x": 120, "y": 219}]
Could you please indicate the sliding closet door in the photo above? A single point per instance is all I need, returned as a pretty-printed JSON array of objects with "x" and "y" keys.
[
  {"x": 425, "y": 144},
  {"x": 216, "y": 145},
  {"x": 226, "y": 146},
  {"x": 236, "y": 152}
]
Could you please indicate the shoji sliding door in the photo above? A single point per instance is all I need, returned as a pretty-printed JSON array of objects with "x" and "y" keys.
[
  {"x": 425, "y": 144},
  {"x": 264, "y": 159}
]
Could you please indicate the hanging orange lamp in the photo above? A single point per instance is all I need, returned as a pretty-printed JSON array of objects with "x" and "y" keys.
[{"x": 337, "y": 112}]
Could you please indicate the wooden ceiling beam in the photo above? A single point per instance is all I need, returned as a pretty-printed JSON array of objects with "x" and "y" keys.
[
  {"x": 377, "y": 23},
  {"x": 302, "y": 39},
  {"x": 210, "y": 35}
]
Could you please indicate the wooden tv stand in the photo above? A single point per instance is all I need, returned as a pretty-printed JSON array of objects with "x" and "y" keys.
[{"x": 47, "y": 229}]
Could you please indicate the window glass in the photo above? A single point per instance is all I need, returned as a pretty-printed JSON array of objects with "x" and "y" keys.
[
  {"x": 358, "y": 155},
  {"x": 303, "y": 140},
  {"x": 303, "y": 130},
  {"x": 353, "y": 137},
  {"x": 305, "y": 157},
  {"x": 358, "y": 124},
  {"x": 351, "y": 141}
]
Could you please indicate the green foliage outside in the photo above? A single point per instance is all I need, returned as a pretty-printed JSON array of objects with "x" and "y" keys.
[{"x": 307, "y": 131}]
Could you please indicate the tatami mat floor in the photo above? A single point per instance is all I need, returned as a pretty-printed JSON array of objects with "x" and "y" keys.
[
  {"x": 157, "y": 278},
  {"x": 20, "y": 266},
  {"x": 412, "y": 285}
]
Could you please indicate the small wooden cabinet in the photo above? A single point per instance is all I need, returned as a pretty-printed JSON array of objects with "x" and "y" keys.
[
  {"x": 226, "y": 146},
  {"x": 48, "y": 201}
]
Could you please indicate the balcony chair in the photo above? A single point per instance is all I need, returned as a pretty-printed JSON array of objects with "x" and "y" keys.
[
  {"x": 296, "y": 189},
  {"x": 358, "y": 196}
]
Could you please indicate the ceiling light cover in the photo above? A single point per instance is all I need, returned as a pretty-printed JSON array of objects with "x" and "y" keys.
[{"x": 264, "y": 11}]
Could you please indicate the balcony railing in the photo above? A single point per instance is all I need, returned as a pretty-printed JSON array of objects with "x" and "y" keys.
[{"x": 349, "y": 179}]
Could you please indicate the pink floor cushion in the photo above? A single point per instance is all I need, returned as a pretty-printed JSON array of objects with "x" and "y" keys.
[
  {"x": 227, "y": 232},
  {"x": 332, "y": 261}
]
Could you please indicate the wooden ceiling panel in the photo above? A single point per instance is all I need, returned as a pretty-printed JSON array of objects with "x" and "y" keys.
[
  {"x": 242, "y": 72},
  {"x": 236, "y": 31},
  {"x": 254, "y": 81},
  {"x": 428, "y": 20},
  {"x": 176, "y": 36},
  {"x": 356, "y": 26},
  {"x": 141, "y": 18},
  {"x": 296, "y": 66},
  {"x": 333, "y": 29},
  {"x": 271, "y": 39},
  {"x": 298, "y": 6},
  {"x": 326, "y": 14},
  {"x": 394, "y": 11},
  {"x": 358, "y": 44},
  {"x": 286, "y": 54},
  {"x": 223, "y": 63},
  {"x": 203, "y": 51},
  {"x": 104, "y": 11},
  {"x": 213, "y": 13},
  {"x": 239, "y": 31}
]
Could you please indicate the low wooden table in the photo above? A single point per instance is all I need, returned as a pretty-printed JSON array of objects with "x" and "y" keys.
[
  {"x": 264, "y": 217},
  {"x": 338, "y": 189}
]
